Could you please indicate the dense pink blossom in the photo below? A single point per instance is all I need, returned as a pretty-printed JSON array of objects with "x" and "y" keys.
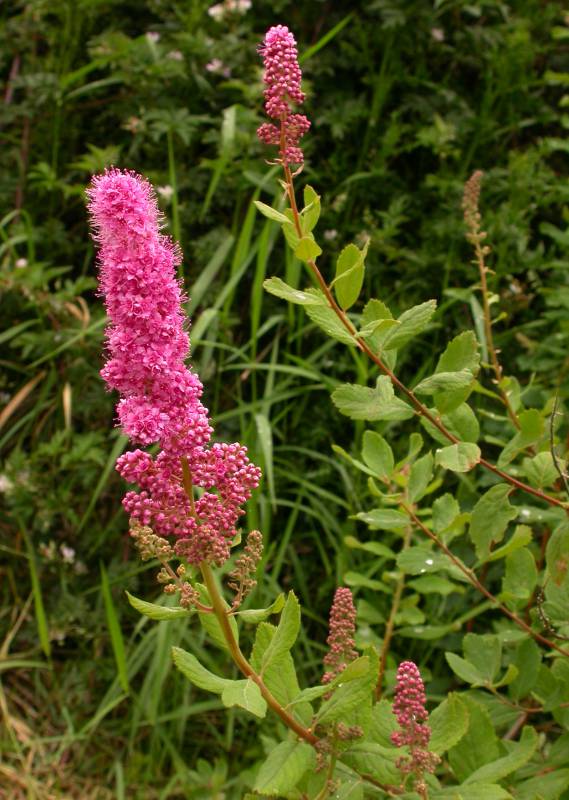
[
  {"x": 414, "y": 732},
  {"x": 282, "y": 78},
  {"x": 341, "y": 634},
  {"x": 147, "y": 346}
]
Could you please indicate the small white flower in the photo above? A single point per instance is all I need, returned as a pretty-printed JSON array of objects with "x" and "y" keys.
[
  {"x": 6, "y": 485},
  {"x": 217, "y": 11},
  {"x": 438, "y": 34},
  {"x": 330, "y": 235},
  {"x": 67, "y": 554},
  {"x": 165, "y": 192},
  {"x": 175, "y": 55},
  {"x": 153, "y": 37},
  {"x": 21, "y": 263}
]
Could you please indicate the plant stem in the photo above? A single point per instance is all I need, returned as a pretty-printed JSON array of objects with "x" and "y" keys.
[
  {"x": 409, "y": 394},
  {"x": 477, "y": 584},
  {"x": 496, "y": 366},
  {"x": 235, "y": 651},
  {"x": 176, "y": 231},
  {"x": 388, "y": 634}
]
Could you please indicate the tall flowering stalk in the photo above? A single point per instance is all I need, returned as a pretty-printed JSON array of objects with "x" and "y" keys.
[
  {"x": 341, "y": 634},
  {"x": 147, "y": 345},
  {"x": 414, "y": 732}
]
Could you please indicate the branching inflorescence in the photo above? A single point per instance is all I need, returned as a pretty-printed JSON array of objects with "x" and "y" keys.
[{"x": 160, "y": 397}]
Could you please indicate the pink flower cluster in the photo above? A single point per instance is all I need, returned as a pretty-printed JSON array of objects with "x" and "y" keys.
[
  {"x": 282, "y": 79},
  {"x": 409, "y": 709},
  {"x": 160, "y": 397},
  {"x": 341, "y": 634}
]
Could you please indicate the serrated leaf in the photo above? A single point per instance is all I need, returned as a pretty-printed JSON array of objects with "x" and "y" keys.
[
  {"x": 445, "y": 381},
  {"x": 490, "y": 518},
  {"x": 448, "y": 723},
  {"x": 411, "y": 323},
  {"x": 270, "y": 212},
  {"x": 361, "y": 402},
  {"x": 557, "y": 555},
  {"x": 284, "y": 768},
  {"x": 474, "y": 791},
  {"x": 461, "y": 457},
  {"x": 255, "y": 615},
  {"x": 484, "y": 652},
  {"x": 521, "y": 575},
  {"x": 377, "y": 454},
  {"x": 279, "y": 288},
  {"x": 307, "y": 249},
  {"x": 528, "y": 661},
  {"x": 280, "y": 677},
  {"x": 349, "y": 275},
  {"x": 520, "y": 753},
  {"x": 286, "y": 633},
  {"x": 383, "y": 519},
  {"x": 445, "y": 510},
  {"x": 155, "y": 611},
  {"x": 419, "y": 477},
  {"x": 546, "y": 786},
  {"x": 245, "y": 694},
  {"x": 197, "y": 674},
  {"x": 373, "y": 315},
  {"x": 478, "y": 746},
  {"x": 541, "y": 471},
  {"x": 326, "y": 319},
  {"x": 461, "y": 353}
]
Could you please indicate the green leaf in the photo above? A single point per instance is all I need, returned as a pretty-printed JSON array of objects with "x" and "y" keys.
[
  {"x": 557, "y": 555},
  {"x": 279, "y": 288},
  {"x": 474, "y": 791},
  {"x": 326, "y": 319},
  {"x": 154, "y": 611},
  {"x": 307, "y": 249},
  {"x": 445, "y": 381},
  {"x": 347, "y": 698},
  {"x": 521, "y": 536},
  {"x": 464, "y": 669},
  {"x": 209, "y": 621},
  {"x": 377, "y": 548},
  {"x": 421, "y": 560},
  {"x": 197, "y": 674},
  {"x": 375, "y": 322},
  {"x": 461, "y": 353},
  {"x": 490, "y": 518},
  {"x": 115, "y": 631},
  {"x": 461, "y": 457},
  {"x": 528, "y": 661},
  {"x": 445, "y": 510},
  {"x": 286, "y": 633},
  {"x": 531, "y": 430},
  {"x": 411, "y": 322},
  {"x": 484, "y": 652},
  {"x": 290, "y": 234},
  {"x": 284, "y": 768},
  {"x": 280, "y": 677},
  {"x": 377, "y": 454},
  {"x": 478, "y": 746},
  {"x": 541, "y": 471},
  {"x": 355, "y": 669},
  {"x": 419, "y": 477},
  {"x": 520, "y": 753},
  {"x": 546, "y": 786},
  {"x": 448, "y": 723},
  {"x": 269, "y": 212},
  {"x": 310, "y": 214},
  {"x": 247, "y": 695},
  {"x": 383, "y": 519},
  {"x": 361, "y": 402},
  {"x": 349, "y": 275},
  {"x": 255, "y": 615},
  {"x": 521, "y": 575}
]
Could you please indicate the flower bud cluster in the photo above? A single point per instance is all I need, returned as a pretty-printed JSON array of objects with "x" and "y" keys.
[
  {"x": 282, "y": 78},
  {"x": 147, "y": 345},
  {"x": 243, "y": 578},
  {"x": 409, "y": 709},
  {"x": 341, "y": 634}
]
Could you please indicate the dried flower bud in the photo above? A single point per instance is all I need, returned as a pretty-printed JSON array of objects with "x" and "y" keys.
[{"x": 243, "y": 575}]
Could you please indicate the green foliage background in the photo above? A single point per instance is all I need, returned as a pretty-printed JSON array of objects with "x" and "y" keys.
[{"x": 406, "y": 98}]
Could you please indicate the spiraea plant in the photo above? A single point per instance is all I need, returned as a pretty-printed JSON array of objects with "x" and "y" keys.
[{"x": 496, "y": 550}]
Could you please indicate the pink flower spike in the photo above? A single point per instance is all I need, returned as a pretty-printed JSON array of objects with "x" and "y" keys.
[
  {"x": 341, "y": 635},
  {"x": 282, "y": 78},
  {"x": 409, "y": 709},
  {"x": 147, "y": 346}
]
